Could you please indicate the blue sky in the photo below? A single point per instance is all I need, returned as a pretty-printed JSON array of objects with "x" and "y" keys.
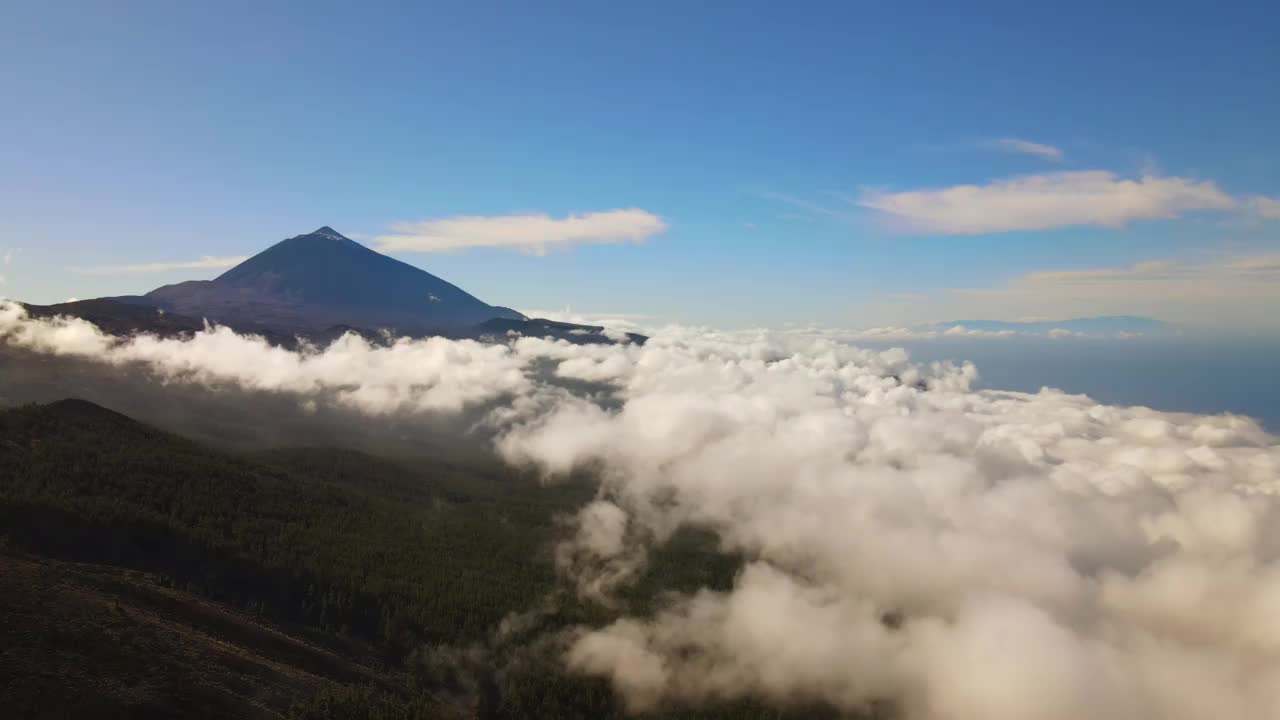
[{"x": 727, "y": 163}]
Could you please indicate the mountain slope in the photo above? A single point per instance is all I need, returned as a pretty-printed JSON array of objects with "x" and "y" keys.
[
  {"x": 88, "y": 640},
  {"x": 145, "y": 575},
  {"x": 321, "y": 279}
]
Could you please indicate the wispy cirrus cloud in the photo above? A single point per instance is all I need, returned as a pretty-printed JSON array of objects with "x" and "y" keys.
[
  {"x": 6, "y": 259},
  {"x": 206, "y": 262},
  {"x": 809, "y": 207},
  {"x": 534, "y": 234},
  {"x": 1043, "y": 202},
  {"x": 1027, "y": 147}
]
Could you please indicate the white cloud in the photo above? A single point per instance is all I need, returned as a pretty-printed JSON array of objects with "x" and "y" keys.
[
  {"x": 1044, "y": 202},
  {"x": 1265, "y": 207},
  {"x": 409, "y": 375},
  {"x": 630, "y": 322},
  {"x": 1026, "y": 147},
  {"x": 204, "y": 263},
  {"x": 962, "y": 331},
  {"x": 905, "y": 538},
  {"x": 892, "y": 333},
  {"x": 1043, "y": 556},
  {"x": 533, "y": 234}
]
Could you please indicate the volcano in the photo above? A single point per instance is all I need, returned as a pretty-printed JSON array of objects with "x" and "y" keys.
[
  {"x": 322, "y": 279},
  {"x": 317, "y": 287}
]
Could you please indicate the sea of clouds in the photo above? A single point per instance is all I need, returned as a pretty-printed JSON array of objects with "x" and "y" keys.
[{"x": 956, "y": 553}]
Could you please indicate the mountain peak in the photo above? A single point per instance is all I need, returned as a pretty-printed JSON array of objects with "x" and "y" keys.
[
  {"x": 328, "y": 232},
  {"x": 322, "y": 279}
]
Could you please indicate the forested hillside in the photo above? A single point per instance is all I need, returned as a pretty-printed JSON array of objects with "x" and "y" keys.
[{"x": 149, "y": 576}]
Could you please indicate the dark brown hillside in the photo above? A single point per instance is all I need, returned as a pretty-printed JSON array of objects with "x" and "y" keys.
[{"x": 85, "y": 640}]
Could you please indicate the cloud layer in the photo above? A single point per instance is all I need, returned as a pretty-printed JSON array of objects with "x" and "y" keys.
[
  {"x": 405, "y": 376},
  {"x": 533, "y": 234},
  {"x": 956, "y": 554},
  {"x": 1043, "y": 202},
  {"x": 959, "y": 331},
  {"x": 907, "y": 540},
  {"x": 624, "y": 322}
]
